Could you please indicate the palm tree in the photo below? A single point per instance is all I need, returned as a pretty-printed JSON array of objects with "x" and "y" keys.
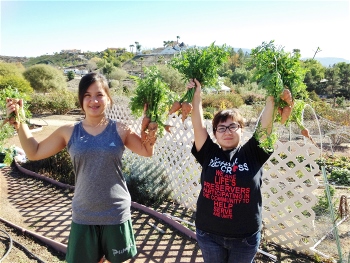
[
  {"x": 131, "y": 48},
  {"x": 177, "y": 39},
  {"x": 138, "y": 47}
]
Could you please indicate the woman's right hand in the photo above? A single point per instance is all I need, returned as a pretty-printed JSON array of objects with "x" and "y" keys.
[
  {"x": 194, "y": 83},
  {"x": 14, "y": 108}
]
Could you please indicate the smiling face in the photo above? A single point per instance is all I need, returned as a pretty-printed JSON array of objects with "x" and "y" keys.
[
  {"x": 94, "y": 96},
  {"x": 231, "y": 137},
  {"x": 95, "y": 100}
]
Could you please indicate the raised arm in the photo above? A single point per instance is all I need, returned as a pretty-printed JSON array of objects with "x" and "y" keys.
[
  {"x": 134, "y": 142},
  {"x": 200, "y": 132},
  {"x": 268, "y": 115},
  {"x": 38, "y": 150}
]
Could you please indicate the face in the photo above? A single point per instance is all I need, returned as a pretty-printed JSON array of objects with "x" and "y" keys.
[
  {"x": 228, "y": 139},
  {"x": 95, "y": 100}
]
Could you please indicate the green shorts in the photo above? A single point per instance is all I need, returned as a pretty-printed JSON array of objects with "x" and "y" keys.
[{"x": 89, "y": 243}]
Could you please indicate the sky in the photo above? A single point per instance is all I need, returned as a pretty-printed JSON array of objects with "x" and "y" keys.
[{"x": 34, "y": 28}]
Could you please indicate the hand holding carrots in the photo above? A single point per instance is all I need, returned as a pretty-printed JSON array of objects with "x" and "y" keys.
[
  {"x": 286, "y": 111},
  {"x": 13, "y": 107}
]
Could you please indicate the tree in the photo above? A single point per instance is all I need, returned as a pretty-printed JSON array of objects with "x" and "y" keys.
[
  {"x": 70, "y": 75},
  {"x": 344, "y": 79},
  {"x": 131, "y": 48},
  {"x": 314, "y": 75},
  {"x": 177, "y": 39},
  {"x": 45, "y": 78},
  {"x": 138, "y": 47},
  {"x": 332, "y": 75},
  {"x": 173, "y": 78},
  {"x": 107, "y": 69}
]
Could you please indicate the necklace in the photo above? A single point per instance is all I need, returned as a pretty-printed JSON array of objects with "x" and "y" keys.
[{"x": 102, "y": 122}]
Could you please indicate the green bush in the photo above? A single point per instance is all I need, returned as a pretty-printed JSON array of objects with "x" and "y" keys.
[
  {"x": 322, "y": 206},
  {"x": 147, "y": 182},
  {"x": 58, "y": 167},
  {"x": 340, "y": 177},
  {"x": 208, "y": 115},
  {"x": 251, "y": 98},
  {"x": 70, "y": 75},
  {"x": 45, "y": 78},
  {"x": 56, "y": 102},
  {"x": 222, "y": 101},
  {"x": 16, "y": 82}
]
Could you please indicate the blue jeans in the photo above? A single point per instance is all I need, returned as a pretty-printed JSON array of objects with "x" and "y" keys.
[{"x": 218, "y": 249}]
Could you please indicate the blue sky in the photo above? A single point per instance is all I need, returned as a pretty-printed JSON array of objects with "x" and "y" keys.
[{"x": 33, "y": 28}]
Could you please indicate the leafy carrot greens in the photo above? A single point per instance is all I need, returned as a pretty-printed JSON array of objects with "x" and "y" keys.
[
  {"x": 202, "y": 64},
  {"x": 153, "y": 91},
  {"x": 278, "y": 71}
]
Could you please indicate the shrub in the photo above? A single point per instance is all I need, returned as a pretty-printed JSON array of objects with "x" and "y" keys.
[
  {"x": 340, "y": 177},
  {"x": 70, "y": 75},
  {"x": 45, "y": 78},
  {"x": 208, "y": 115},
  {"x": 57, "y": 102},
  {"x": 322, "y": 206},
  {"x": 251, "y": 98},
  {"x": 222, "y": 101},
  {"x": 58, "y": 167},
  {"x": 147, "y": 182}
]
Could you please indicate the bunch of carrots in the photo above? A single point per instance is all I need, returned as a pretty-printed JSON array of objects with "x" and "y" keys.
[
  {"x": 185, "y": 104},
  {"x": 202, "y": 64},
  {"x": 12, "y": 94},
  {"x": 282, "y": 75},
  {"x": 151, "y": 100}
]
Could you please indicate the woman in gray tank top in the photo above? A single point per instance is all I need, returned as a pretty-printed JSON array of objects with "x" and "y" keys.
[{"x": 101, "y": 218}]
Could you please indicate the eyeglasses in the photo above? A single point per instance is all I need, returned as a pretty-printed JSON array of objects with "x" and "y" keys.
[{"x": 232, "y": 128}]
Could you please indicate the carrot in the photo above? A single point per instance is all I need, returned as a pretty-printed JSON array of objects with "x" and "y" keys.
[
  {"x": 144, "y": 124},
  {"x": 280, "y": 110},
  {"x": 305, "y": 132},
  {"x": 152, "y": 131},
  {"x": 287, "y": 97},
  {"x": 286, "y": 111},
  {"x": 186, "y": 108},
  {"x": 175, "y": 107},
  {"x": 167, "y": 128}
]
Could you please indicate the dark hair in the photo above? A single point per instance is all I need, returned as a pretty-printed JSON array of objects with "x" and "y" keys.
[
  {"x": 89, "y": 79},
  {"x": 223, "y": 115}
]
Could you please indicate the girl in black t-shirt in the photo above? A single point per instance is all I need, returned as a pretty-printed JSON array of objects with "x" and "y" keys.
[{"x": 228, "y": 217}]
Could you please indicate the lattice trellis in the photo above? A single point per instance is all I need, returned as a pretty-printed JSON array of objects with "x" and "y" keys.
[
  {"x": 287, "y": 189},
  {"x": 287, "y": 184}
]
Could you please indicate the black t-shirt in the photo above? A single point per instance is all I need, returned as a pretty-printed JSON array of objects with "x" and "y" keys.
[{"x": 229, "y": 203}]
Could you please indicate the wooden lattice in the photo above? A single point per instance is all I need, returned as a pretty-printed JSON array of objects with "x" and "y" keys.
[{"x": 287, "y": 188}]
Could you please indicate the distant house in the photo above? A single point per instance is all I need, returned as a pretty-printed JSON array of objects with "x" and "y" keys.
[
  {"x": 76, "y": 71},
  {"x": 173, "y": 49},
  {"x": 70, "y": 51}
]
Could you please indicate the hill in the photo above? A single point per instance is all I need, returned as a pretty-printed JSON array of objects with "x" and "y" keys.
[{"x": 329, "y": 61}]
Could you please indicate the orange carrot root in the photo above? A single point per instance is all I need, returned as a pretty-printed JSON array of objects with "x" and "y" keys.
[
  {"x": 287, "y": 97},
  {"x": 286, "y": 111},
  {"x": 167, "y": 128},
  {"x": 280, "y": 110},
  {"x": 305, "y": 132},
  {"x": 186, "y": 109},
  {"x": 152, "y": 132},
  {"x": 175, "y": 107},
  {"x": 144, "y": 124}
]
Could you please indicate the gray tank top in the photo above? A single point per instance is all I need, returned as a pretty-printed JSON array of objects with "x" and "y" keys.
[{"x": 101, "y": 196}]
